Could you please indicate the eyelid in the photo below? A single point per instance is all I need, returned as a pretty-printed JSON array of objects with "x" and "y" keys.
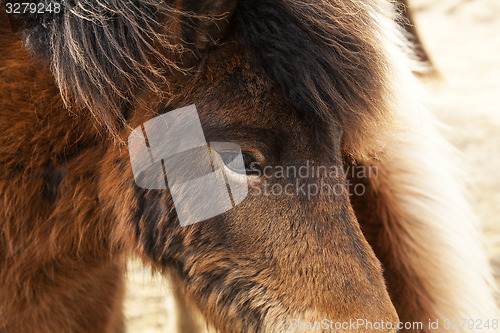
[
  {"x": 219, "y": 163},
  {"x": 236, "y": 176}
]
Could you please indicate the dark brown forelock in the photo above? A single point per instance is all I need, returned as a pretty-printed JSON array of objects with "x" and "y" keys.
[
  {"x": 325, "y": 57},
  {"x": 104, "y": 53},
  {"x": 322, "y": 54}
]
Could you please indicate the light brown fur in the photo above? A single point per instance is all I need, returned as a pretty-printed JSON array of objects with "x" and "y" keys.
[{"x": 71, "y": 212}]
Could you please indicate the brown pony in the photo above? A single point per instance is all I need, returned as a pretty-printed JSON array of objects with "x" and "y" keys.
[{"x": 293, "y": 83}]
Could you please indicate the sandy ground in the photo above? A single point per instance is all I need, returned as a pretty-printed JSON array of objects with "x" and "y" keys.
[{"x": 463, "y": 39}]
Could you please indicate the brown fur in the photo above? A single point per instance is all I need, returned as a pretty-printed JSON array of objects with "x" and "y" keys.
[
  {"x": 58, "y": 272},
  {"x": 71, "y": 211}
]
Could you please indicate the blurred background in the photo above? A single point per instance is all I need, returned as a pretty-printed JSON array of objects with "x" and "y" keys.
[{"x": 462, "y": 37}]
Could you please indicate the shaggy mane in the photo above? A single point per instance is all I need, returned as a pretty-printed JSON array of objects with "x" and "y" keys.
[
  {"x": 122, "y": 48},
  {"x": 324, "y": 57}
]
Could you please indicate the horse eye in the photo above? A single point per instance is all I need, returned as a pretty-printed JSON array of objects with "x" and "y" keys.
[{"x": 251, "y": 166}]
